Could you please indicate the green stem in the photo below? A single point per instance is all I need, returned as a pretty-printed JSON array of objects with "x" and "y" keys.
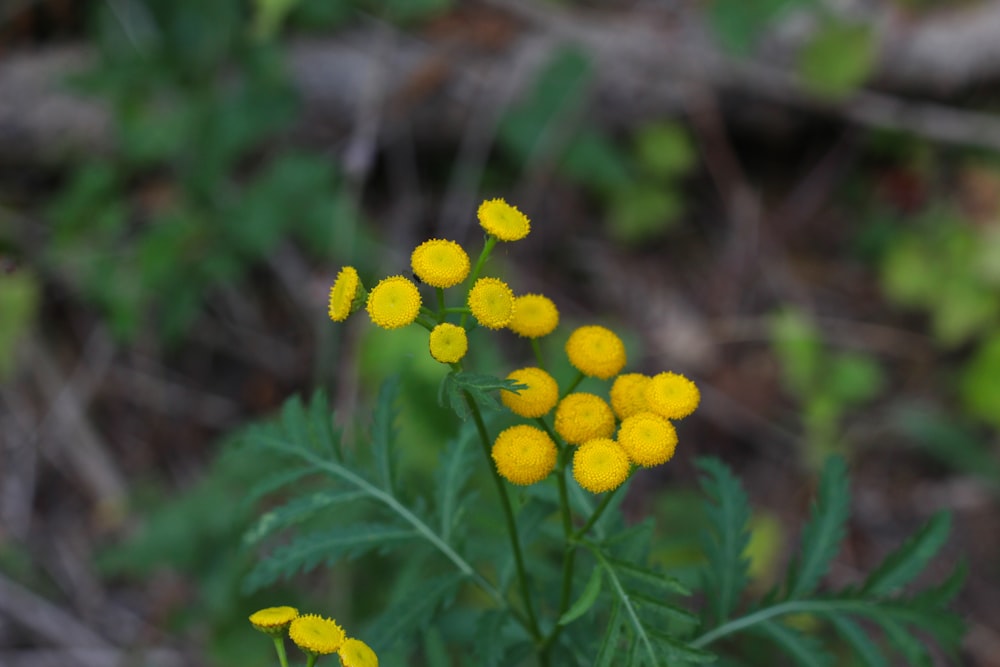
[
  {"x": 537, "y": 348},
  {"x": 311, "y": 660},
  {"x": 441, "y": 308},
  {"x": 279, "y": 646},
  {"x": 605, "y": 501},
  {"x": 767, "y": 613},
  {"x": 569, "y": 554},
  {"x": 477, "y": 269},
  {"x": 576, "y": 381}
]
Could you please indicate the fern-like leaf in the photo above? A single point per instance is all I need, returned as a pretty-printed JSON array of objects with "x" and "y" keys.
[
  {"x": 384, "y": 432},
  {"x": 450, "y": 476},
  {"x": 456, "y": 388},
  {"x": 296, "y": 511},
  {"x": 866, "y": 650},
  {"x": 804, "y": 649},
  {"x": 406, "y": 616},
  {"x": 903, "y": 565}
]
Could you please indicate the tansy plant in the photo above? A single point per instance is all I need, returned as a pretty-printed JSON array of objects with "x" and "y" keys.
[{"x": 541, "y": 568}]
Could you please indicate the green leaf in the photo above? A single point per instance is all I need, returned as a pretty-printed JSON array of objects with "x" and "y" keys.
[
  {"x": 901, "y": 566},
  {"x": 643, "y": 210},
  {"x": 19, "y": 301},
  {"x": 979, "y": 387},
  {"x": 857, "y": 639},
  {"x": 805, "y": 650},
  {"x": 799, "y": 348},
  {"x": 839, "y": 58},
  {"x": 609, "y": 652},
  {"x": 822, "y": 536},
  {"x": 911, "y": 648},
  {"x": 853, "y": 378},
  {"x": 384, "y": 431},
  {"x": 479, "y": 387},
  {"x": 296, "y": 511},
  {"x": 407, "y": 615},
  {"x": 450, "y": 476},
  {"x": 738, "y": 24},
  {"x": 586, "y": 600},
  {"x": 664, "y": 150}
]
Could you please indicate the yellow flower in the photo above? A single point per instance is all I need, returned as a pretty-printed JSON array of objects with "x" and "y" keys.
[
  {"x": 596, "y": 351},
  {"x": 628, "y": 394},
  {"x": 273, "y": 620},
  {"x": 672, "y": 395},
  {"x": 394, "y": 302},
  {"x": 491, "y": 302},
  {"x": 440, "y": 263},
  {"x": 541, "y": 395},
  {"x": 343, "y": 294},
  {"x": 448, "y": 343},
  {"x": 356, "y": 653},
  {"x": 502, "y": 220},
  {"x": 647, "y": 438},
  {"x": 524, "y": 454},
  {"x": 534, "y": 316},
  {"x": 316, "y": 635},
  {"x": 582, "y": 416},
  {"x": 600, "y": 465}
]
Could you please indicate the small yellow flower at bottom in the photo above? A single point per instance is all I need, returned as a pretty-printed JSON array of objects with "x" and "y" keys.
[
  {"x": 647, "y": 438},
  {"x": 394, "y": 302},
  {"x": 596, "y": 351},
  {"x": 343, "y": 294},
  {"x": 628, "y": 394},
  {"x": 672, "y": 395},
  {"x": 540, "y": 396},
  {"x": 356, "y": 653},
  {"x": 600, "y": 465},
  {"x": 534, "y": 316},
  {"x": 502, "y": 220},
  {"x": 316, "y": 635},
  {"x": 524, "y": 454},
  {"x": 273, "y": 620},
  {"x": 448, "y": 343},
  {"x": 581, "y": 416},
  {"x": 491, "y": 302}
]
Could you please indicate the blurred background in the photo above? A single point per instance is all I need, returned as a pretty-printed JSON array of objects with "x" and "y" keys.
[{"x": 794, "y": 202}]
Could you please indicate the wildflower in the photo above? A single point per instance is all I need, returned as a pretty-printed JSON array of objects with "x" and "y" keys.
[
  {"x": 344, "y": 293},
  {"x": 672, "y": 395},
  {"x": 647, "y": 438},
  {"x": 540, "y": 396},
  {"x": 502, "y": 220},
  {"x": 534, "y": 316},
  {"x": 524, "y": 454},
  {"x": 628, "y": 394},
  {"x": 600, "y": 465},
  {"x": 440, "y": 263},
  {"x": 448, "y": 343},
  {"x": 356, "y": 653},
  {"x": 596, "y": 351},
  {"x": 581, "y": 416},
  {"x": 316, "y": 635},
  {"x": 273, "y": 620},
  {"x": 491, "y": 302},
  {"x": 394, "y": 302}
]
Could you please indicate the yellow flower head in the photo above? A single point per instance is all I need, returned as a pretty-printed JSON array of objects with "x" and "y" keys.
[
  {"x": 343, "y": 294},
  {"x": 316, "y": 635},
  {"x": 273, "y": 620},
  {"x": 356, "y": 653},
  {"x": 647, "y": 438},
  {"x": 448, "y": 343},
  {"x": 502, "y": 220},
  {"x": 596, "y": 351},
  {"x": 440, "y": 263},
  {"x": 394, "y": 302},
  {"x": 491, "y": 302},
  {"x": 628, "y": 394},
  {"x": 600, "y": 465},
  {"x": 672, "y": 395},
  {"x": 541, "y": 395},
  {"x": 534, "y": 316},
  {"x": 581, "y": 416},
  {"x": 524, "y": 454}
]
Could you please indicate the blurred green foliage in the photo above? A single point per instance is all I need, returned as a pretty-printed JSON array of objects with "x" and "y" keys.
[{"x": 20, "y": 295}]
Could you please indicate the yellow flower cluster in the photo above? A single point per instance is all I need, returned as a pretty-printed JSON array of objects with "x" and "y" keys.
[{"x": 314, "y": 635}]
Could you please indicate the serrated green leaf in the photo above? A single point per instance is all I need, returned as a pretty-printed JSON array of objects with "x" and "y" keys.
[
  {"x": 942, "y": 594},
  {"x": 609, "y": 651},
  {"x": 804, "y": 649},
  {"x": 857, "y": 639},
  {"x": 411, "y": 613},
  {"x": 678, "y": 652},
  {"x": 384, "y": 431},
  {"x": 274, "y": 481},
  {"x": 450, "y": 476},
  {"x": 586, "y": 600},
  {"x": 901, "y": 566},
  {"x": 912, "y": 649},
  {"x": 644, "y": 579},
  {"x": 296, "y": 511}
]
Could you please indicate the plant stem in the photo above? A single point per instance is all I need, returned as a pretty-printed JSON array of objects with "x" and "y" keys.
[
  {"x": 605, "y": 501},
  {"x": 537, "y": 348},
  {"x": 569, "y": 554},
  {"x": 441, "y": 308},
  {"x": 311, "y": 660},
  {"x": 279, "y": 646},
  {"x": 487, "y": 249},
  {"x": 572, "y": 385}
]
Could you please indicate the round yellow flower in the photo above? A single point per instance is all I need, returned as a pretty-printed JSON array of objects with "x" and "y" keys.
[
  {"x": 448, "y": 343},
  {"x": 628, "y": 394},
  {"x": 541, "y": 395},
  {"x": 647, "y": 438},
  {"x": 343, "y": 292},
  {"x": 596, "y": 351},
  {"x": 316, "y": 635},
  {"x": 394, "y": 302},
  {"x": 600, "y": 465},
  {"x": 491, "y": 302},
  {"x": 502, "y": 220},
  {"x": 534, "y": 316},
  {"x": 672, "y": 395},
  {"x": 356, "y": 653},
  {"x": 524, "y": 454},
  {"x": 273, "y": 620},
  {"x": 581, "y": 416},
  {"x": 440, "y": 263}
]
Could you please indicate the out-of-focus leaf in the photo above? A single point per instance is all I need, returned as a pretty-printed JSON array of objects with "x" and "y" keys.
[
  {"x": 839, "y": 58},
  {"x": 739, "y": 23},
  {"x": 664, "y": 150},
  {"x": 592, "y": 160},
  {"x": 853, "y": 378},
  {"x": 19, "y": 297},
  {"x": 799, "y": 349},
  {"x": 643, "y": 211},
  {"x": 980, "y": 388}
]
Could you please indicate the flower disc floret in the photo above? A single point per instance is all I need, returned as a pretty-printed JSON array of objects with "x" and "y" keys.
[
  {"x": 448, "y": 343},
  {"x": 502, "y": 220},
  {"x": 524, "y": 454},
  {"x": 647, "y": 438},
  {"x": 273, "y": 620},
  {"x": 356, "y": 653},
  {"x": 628, "y": 394},
  {"x": 600, "y": 465},
  {"x": 343, "y": 293},
  {"x": 672, "y": 395},
  {"x": 316, "y": 635},
  {"x": 394, "y": 302},
  {"x": 440, "y": 263},
  {"x": 596, "y": 351},
  {"x": 540, "y": 395},
  {"x": 491, "y": 302},
  {"x": 535, "y": 316},
  {"x": 581, "y": 416}
]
